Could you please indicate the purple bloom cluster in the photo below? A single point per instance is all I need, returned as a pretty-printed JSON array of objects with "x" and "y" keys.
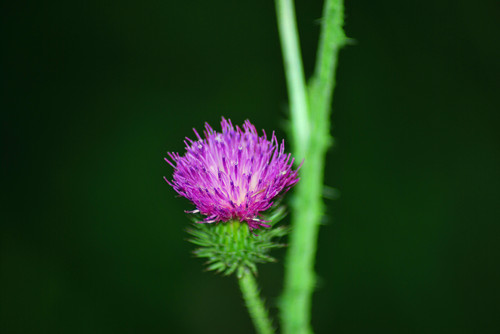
[{"x": 232, "y": 175}]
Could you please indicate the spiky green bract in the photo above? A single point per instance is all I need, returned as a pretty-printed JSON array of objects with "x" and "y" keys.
[{"x": 230, "y": 247}]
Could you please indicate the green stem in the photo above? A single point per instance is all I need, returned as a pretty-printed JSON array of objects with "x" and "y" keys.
[
  {"x": 308, "y": 204},
  {"x": 292, "y": 59},
  {"x": 322, "y": 84},
  {"x": 254, "y": 303}
]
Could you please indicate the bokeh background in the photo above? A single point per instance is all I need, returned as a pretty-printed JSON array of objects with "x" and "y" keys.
[{"x": 95, "y": 93}]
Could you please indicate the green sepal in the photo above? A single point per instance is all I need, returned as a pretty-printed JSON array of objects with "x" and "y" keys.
[{"x": 230, "y": 247}]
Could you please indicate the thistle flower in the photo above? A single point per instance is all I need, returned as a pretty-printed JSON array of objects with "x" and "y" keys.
[{"x": 232, "y": 175}]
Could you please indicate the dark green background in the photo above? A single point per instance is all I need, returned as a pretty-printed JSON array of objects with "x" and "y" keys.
[{"x": 94, "y": 94}]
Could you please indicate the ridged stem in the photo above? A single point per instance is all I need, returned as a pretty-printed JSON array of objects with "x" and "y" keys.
[
  {"x": 255, "y": 304},
  {"x": 296, "y": 84},
  {"x": 307, "y": 208}
]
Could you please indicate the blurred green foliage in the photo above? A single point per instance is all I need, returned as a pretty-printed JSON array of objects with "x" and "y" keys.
[{"x": 95, "y": 93}]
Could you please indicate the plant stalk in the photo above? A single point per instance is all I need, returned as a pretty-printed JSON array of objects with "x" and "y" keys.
[
  {"x": 255, "y": 304},
  {"x": 296, "y": 84},
  {"x": 307, "y": 207}
]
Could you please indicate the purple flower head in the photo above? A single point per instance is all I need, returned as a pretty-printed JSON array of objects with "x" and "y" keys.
[{"x": 234, "y": 174}]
